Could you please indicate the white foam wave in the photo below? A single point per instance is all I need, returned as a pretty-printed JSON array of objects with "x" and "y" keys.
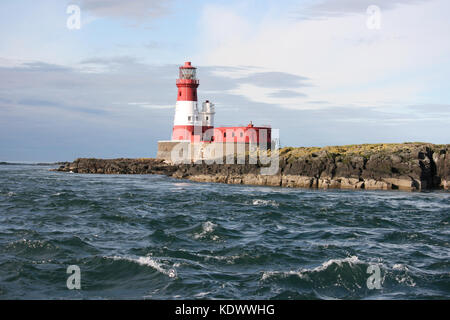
[
  {"x": 406, "y": 280},
  {"x": 207, "y": 228},
  {"x": 227, "y": 259},
  {"x": 403, "y": 278},
  {"x": 262, "y": 202},
  {"x": 400, "y": 266},
  {"x": 350, "y": 260},
  {"x": 303, "y": 272},
  {"x": 150, "y": 262},
  {"x": 269, "y": 274},
  {"x": 202, "y": 294},
  {"x": 32, "y": 244}
]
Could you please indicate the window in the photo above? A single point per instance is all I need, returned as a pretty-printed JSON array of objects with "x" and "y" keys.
[
  {"x": 196, "y": 118},
  {"x": 232, "y": 134},
  {"x": 179, "y": 93},
  {"x": 207, "y": 118},
  {"x": 224, "y": 134},
  {"x": 242, "y": 134},
  {"x": 187, "y": 73},
  {"x": 189, "y": 118}
]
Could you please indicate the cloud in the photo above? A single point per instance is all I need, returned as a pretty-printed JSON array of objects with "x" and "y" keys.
[
  {"x": 51, "y": 112},
  {"x": 286, "y": 94},
  {"x": 150, "y": 105},
  {"x": 274, "y": 80},
  {"x": 43, "y": 67},
  {"x": 109, "y": 83},
  {"x": 137, "y": 10},
  {"x": 5, "y": 101},
  {"x": 433, "y": 109},
  {"x": 78, "y": 89},
  {"x": 108, "y": 61},
  {"x": 56, "y": 105},
  {"x": 335, "y": 8},
  {"x": 217, "y": 79},
  {"x": 345, "y": 63},
  {"x": 38, "y": 103}
]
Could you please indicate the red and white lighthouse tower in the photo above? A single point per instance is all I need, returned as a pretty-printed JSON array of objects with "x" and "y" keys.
[
  {"x": 187, "y": 123},
  {"x": 192, "y": 125}
]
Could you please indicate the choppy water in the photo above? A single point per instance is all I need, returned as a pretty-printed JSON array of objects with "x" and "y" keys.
[{"x": 144, "y": 236}]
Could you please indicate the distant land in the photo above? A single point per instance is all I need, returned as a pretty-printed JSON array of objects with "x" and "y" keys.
[
  {"x": 406, "y": 166},
  {"x": 30, "y": 164}
]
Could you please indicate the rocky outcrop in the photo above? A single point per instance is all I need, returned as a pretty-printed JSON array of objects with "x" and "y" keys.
[
  {"x": 409, "y": 166},
  {"x": 118, "y": 166}
]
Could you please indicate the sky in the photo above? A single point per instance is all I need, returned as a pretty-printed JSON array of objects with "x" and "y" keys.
[{"x": 323, "y": 72}]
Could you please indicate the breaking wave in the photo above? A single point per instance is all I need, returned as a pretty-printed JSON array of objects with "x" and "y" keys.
[
  {"x": 149, "y": 262},
  {"x": 262, "y": 202},
  {"x": 304, "y": 272},
  {"x": 207, "y": 229}
]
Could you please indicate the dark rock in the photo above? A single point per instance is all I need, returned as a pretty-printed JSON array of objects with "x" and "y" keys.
[{"x": 408, "y": 167}]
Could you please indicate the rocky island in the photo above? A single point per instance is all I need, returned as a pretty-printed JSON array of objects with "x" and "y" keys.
[{"x": 406, "y": 166}]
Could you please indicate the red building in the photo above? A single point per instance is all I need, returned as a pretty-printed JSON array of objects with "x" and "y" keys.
[{"x": 248, "y": 134}]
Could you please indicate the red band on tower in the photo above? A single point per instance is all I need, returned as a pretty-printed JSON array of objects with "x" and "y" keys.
[{"x": 187, "y": 83}]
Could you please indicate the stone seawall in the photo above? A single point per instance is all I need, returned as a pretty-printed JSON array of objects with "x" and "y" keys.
[
  {"x": 409, "y": 166},
  {"x": 184, "y": 150}
]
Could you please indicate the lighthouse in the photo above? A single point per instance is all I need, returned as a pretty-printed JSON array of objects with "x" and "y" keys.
[
  {"x": 193, "y": 128},
  {"x": 187, "y": 124}
]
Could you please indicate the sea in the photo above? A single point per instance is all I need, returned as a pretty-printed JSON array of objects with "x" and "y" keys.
[{"x": 87, "y": 236}]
